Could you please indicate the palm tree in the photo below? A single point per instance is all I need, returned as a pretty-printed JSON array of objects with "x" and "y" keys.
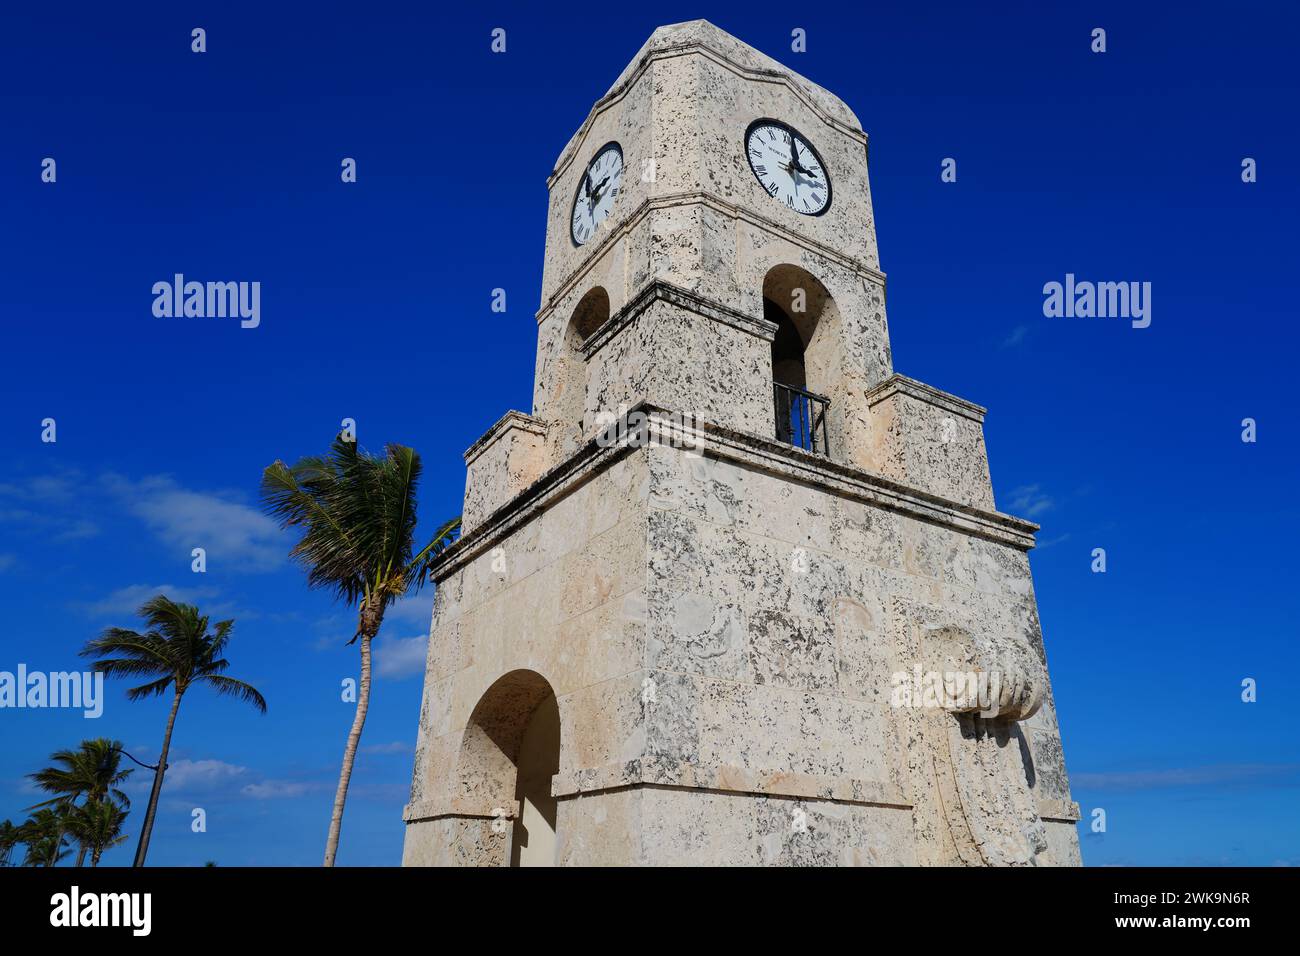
[
  {"x": 97, "y": 826},
  {"x": 91, "y": 771},
  {"x": 44, "y": 833},
  {"x": 9, "y": 838},
  {"x": 357, "y": 516},
  {"x": 177, "y": 651}
]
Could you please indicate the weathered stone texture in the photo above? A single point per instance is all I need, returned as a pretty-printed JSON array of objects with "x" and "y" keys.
[
  {"x": 505, "y": 461},
  {"x": 729, "y": 626}
]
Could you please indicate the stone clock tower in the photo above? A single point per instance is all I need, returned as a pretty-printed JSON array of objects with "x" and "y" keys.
[{"x": 735, "y": 593}]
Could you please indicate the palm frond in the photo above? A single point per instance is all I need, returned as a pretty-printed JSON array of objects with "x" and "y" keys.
[
  {"x": 417, "y": 571},
  {"x": 180, "y": 648},
  {"x": 153, "y": 689},
  {"x": 236, "y": 688}
]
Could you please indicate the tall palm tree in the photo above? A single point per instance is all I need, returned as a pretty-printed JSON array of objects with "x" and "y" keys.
[
  {"x": 91, "y": 771},
  {"x": 9, "y": 838},
  {"x": 177, "y": 652},
  {"x": 356, "y": 512},
  {"x": 97, "y": 826},
  {"x": 45, "y": 834}
]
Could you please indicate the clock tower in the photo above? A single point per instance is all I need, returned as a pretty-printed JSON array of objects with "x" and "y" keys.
[{"x": 734, "y": 592}]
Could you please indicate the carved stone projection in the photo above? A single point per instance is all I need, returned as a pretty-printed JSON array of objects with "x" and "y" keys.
[{"x": 734, "y": 593}]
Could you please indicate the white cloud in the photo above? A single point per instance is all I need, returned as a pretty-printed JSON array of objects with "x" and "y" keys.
[
  {"x": 235, "y": 535},
  {"x": 279, "y": 789},
  {"x": 1018, "y": 335},
  {"x": 399, "y": 657},
  {"x": 1254, "y": 775},
  {"x": 1029, "y": 501},
  {"x": 124, "y": 602},
  {"x": 417, "y": 610},
  {"x": 190, "y": 776},
  {"x": 45, "y": 505},
  {"x": 396, "y": 747}
]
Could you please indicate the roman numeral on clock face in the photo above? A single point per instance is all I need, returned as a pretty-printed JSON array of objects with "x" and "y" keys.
[
  {"x": 599, "y": 184},
  {"x": 787, "y": 167}
]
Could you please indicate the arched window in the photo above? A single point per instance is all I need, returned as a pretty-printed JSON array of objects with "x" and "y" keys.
[
  {"x": 589, "y": 314},
  {"x": 805, "y": 365}
]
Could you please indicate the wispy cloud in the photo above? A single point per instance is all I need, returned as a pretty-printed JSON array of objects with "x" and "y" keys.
[
  {"x": 1029, "y": 501},
  {"x": 191, "y": 777},
  {"x": 396, "y": 747},
  {"x": 1018, "y": 335},
  {"x": 282, "y": 789},
  {"x": 1219, "y": 774},
  {"x": 235, "y": 535},
  {"x": 417, "y": 610},
  {"x": 124, "y": 602},
  {"x": 217, "y": 780},
  {"x": 69, "y": 506},
  {"x": 46, "y": 505},
  {"x": 400, "y": 657}
]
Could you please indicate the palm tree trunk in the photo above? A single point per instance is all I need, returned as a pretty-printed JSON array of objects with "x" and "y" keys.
[
  {"x": 369, "y": 627},
  {"x": 147, "y": 829},
  {"x": 81, "y": 855}
]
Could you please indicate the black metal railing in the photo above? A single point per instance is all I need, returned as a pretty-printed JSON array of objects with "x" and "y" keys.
[{"x": 801, "y": 418}]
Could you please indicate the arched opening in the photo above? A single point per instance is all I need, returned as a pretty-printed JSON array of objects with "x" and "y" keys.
[
  {"x": 805, "y": 363},
  {"x": 538, "y": 760},
  {"x": 591, "y": 313},
  {"x": 509, "y": 755}
]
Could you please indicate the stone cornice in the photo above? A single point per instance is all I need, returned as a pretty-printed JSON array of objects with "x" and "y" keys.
[
  {"x": 657, "y": 290},
  {"x": 620, "y": 90},
  {"x": 654, "y": 772},
  {"x": 657, "y": 772},
  {"x": 464, "y": 808},
  {"x": 925, "y": 393},
  {"x": 511, "y": 419},
  {"x": 779, "y": 458},
  {"x": 1064, "y": 811},
  {"x": 716, "y": 441},
  {"x": 704, "y": 198}
]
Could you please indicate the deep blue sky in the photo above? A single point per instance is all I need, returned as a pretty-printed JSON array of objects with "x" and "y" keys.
[{"x": 375, "y": 306}]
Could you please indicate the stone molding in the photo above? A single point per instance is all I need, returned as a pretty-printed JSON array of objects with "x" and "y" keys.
[
  {"x": 703, "y": 198},
  {"x": 1061, "y": 811},
  {"x": 651, "y": 772},
  {"x": 925, "y": 393},
  {"x": 658, "y": 290},
  {"x": 665, "y": 428},
  {"x": 646, "y": 772},
  {"x": 511, "y": 419},
  {"x": 459, "y": 807}
]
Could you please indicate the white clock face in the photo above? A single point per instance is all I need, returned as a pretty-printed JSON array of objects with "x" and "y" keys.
[
  {"x": 787, "y": 166},
  {"x": 597, "y": 191}
]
